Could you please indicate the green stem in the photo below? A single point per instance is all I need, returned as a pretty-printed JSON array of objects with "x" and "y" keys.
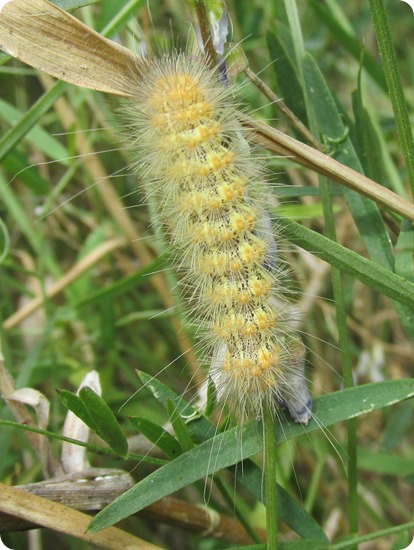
[
  {"x": 372, "y": 536},
  {"x": 346, "y": 359},
  {"x": 90, "y": 446},
  {"x": 294, "y": 23},
  {"x": 204, "y": 25},
  {"x": 399, "y": 104},
  {"x": 270, "y": 458}
]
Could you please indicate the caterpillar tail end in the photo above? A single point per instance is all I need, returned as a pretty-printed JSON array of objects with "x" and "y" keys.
[
  {"x": 299, "y": 402},
  {"x": 285, "y": 391},
  {"x": 296, "y": 397}
]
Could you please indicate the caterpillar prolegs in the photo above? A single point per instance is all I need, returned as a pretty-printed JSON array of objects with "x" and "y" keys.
[{"x": 187, "y": 142}]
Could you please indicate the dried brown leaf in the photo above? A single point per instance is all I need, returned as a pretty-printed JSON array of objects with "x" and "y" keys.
[{"x": 50, "y": 39}]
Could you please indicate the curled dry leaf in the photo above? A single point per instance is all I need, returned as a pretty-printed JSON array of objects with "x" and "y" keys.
[
  {"x": 73, "y": 456},
  {"x": 40, "y": 404},
  {"x": 35, "y": 399}
]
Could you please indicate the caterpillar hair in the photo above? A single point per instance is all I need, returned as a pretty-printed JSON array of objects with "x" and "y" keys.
[{"x": 184, "y": 134}]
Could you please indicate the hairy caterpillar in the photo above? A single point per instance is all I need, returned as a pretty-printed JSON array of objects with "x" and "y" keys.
[{"x": 184, "y": 128}]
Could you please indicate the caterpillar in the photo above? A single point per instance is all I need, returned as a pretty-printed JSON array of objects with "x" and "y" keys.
[{"x": 183, "y": 128}]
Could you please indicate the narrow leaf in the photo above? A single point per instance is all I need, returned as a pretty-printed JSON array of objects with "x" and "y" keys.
[
  {"x": 287, "y": 80},
  {"x": 239, "y": 443},
  {"x": 181, "y": 430},
  {"x": 399, "y": 425},
  {"x": 346, "y": 36},
  {"x": 74, "y": 404},
  {"x": 43, "y": 141},
  {"x": 16, "y": 163},
  {"x": 371, "y": 155},
  {"x": 291, "y": 512},
  {"x": 11, "y": 138},
  {"x": 364, "y": 211},
  {"x": 404, "y": 252},
  {"x": 104, "y": 420},
  {"x": 393, "y": 78},
  {"x": 200, "y": 428},
  {"x": 386, "y": 463},
  {"x": 124, "y": 284},
  {"x": 350, "y": 262},
  {"x": 157, "y": 435}
]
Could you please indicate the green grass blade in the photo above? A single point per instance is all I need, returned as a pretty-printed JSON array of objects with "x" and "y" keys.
[
  {"x": 74, "y": 404},
  {"x": 12, "y": 204},
  {"x": 95, "y": 413},
  {"x": 42, "y": 140},
  {"x": 289, "y": 87},
  {"x": 404, "y": 252},
  {"x": 370, "y": 152},
  {"x": 180, "y": 428},
  {"x": 389, "y": 464},
  {"x": 373, "y": 536},
  {"x": 123, "y": 285},
  {"x": 16, "y": 163},
  {"x": 366, "y": 140},
  {"x": 104, "y": 420},
  {"x": 345, "y": 35},
  {"x": 250, "y": 475},
  {"x": 5, "y": 241},
  {"x": 270, "y": 464},
  {"x": 199, "y": 427},
  {"x": 350, "y": 262},
  {"x": 333, "y": 132},
  {"x": 157, "y": 435},
  {"x": 392, "y": 75},
  {"x": 27, "y": 122},
  {"x": 398, "y": 426},
  {"x": 225, "y": 449},
  {"x": 121, "y": 17}
]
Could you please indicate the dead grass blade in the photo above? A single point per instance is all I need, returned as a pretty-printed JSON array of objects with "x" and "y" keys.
[{"x": 63, "y": 519}]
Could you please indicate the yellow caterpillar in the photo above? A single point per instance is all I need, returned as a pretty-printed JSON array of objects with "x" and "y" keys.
[{"x": 183, "y": 126}]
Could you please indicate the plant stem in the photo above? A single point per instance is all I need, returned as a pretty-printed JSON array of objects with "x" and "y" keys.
[
  {"x": 373, "y": 536},
  {"x": 399, "y": 104},
  {"x": 293, "y": 119},
  {"x": 202, "y": 17},
  {"x": 270, "y": 457},
  {"x": 294, "y": 23},
  {"x": 346, "y": 359}
]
